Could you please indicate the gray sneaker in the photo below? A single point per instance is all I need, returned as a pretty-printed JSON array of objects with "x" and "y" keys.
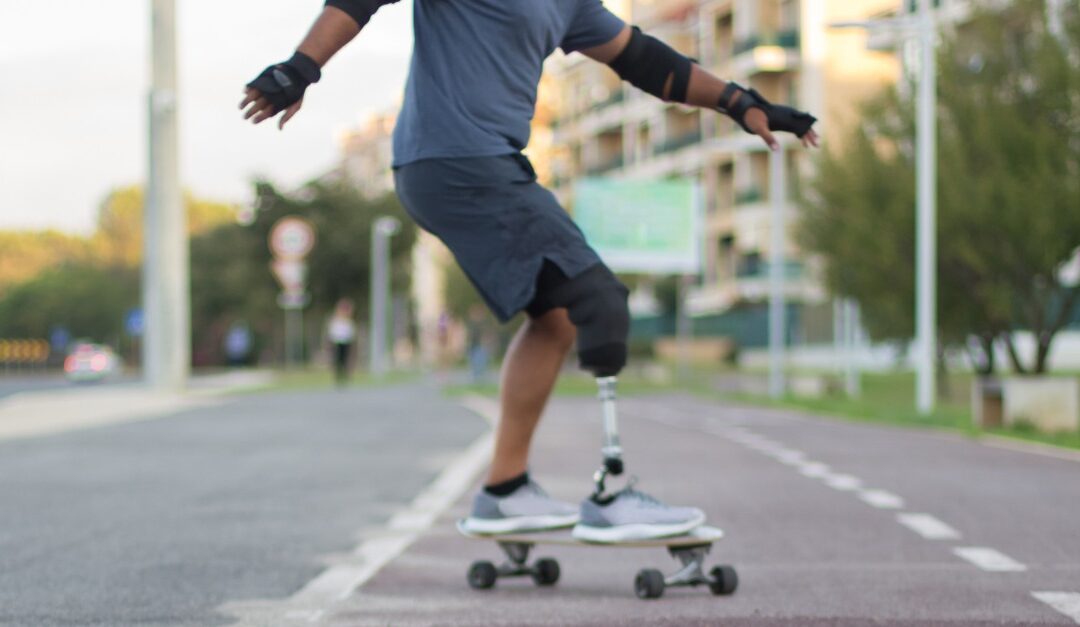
[
  {"x": 632, "y": 515},
  {"x": 528, "y": 508}
]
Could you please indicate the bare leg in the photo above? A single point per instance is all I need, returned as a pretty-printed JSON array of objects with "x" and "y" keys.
[{"x": 529, "y": 372}]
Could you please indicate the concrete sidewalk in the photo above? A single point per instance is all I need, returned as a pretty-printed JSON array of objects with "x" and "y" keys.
[{"x": 47, "y": 412}]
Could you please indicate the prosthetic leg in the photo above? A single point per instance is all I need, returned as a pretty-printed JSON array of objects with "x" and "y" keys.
[{"x": 611, "y": 451}]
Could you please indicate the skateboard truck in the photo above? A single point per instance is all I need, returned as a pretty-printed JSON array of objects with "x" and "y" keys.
[
  {"x": 721, "y": 580},
  {"x": 611, "y": 450},
  {"x": 690, "y": 550},
  {"x": 544, "y": 571}
]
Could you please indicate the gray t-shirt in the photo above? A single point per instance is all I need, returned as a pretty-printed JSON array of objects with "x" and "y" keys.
[{"x": 475, "y": 68}]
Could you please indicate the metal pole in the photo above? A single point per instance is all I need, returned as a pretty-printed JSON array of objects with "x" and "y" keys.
[
  {"x": 381, "y": 231},
  {"x": 377, "y": 314},
  {"x": 926, "y": 215},
  {"x": 852, "y": 384},
  {"x": 300, "y": 342},
  {"x": 777, "y": 262},
  {"x": 682, "y": 326},
  {"x": 289, "y": 360},
  {"x": 166, "y": 291},
  {"x": 839, "y": 355}
]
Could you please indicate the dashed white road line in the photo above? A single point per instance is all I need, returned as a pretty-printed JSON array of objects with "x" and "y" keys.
[
  {"x": 881, "y": 499},
  {"x": 1068, "y": 603},
  {"x": 928, "y": 527},
  {"x": 989, "y": 559},
  {"x": 791, "y": 457},
  {"x": 843, "y": 483},
  {"x": 814, "y": 470}
]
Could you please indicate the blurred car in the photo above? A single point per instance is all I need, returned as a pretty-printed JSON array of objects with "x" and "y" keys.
[{"x": 92, "y": 362}]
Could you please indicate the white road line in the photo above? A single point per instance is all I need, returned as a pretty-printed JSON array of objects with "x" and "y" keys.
[
  {"x": 1068, "y": 603},
  {"x": 881, "y": 499},
  {"x": 844, "y": 483},
  {"x": 336, "y": 583},
  {"x": 791, "y": 457},
  {"x": 989, "y": 559},
  {"x": 814, "y": 470},
  {"x": 928, "y": 527}
]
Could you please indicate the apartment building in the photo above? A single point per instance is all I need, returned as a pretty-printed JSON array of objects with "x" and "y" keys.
[
  {"x": 788, "y": 52},
  {"x": 366, "y": 153}
]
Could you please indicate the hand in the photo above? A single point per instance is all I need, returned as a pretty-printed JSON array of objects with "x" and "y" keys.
[
  {"x": 758, "y": 123},
  {"x": 280, "y": 89},
  {"x": 261, "y": 109}
]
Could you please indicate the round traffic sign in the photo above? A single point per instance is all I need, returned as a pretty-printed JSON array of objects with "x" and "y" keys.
[{"x": 292, "y": 238}]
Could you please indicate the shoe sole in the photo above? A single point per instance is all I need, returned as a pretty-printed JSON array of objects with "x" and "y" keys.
[
  {"x": 519, "y": 524},
  {"x": 633, "y": 532}
]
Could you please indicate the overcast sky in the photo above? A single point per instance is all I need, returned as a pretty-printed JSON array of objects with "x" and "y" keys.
[{"x": 73, "y": 81}]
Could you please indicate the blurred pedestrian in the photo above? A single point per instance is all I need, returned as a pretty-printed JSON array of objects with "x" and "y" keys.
[
  {"x": 341, "y": 334},
  {"x": 478, "y": 338},
  {"x": 238, "y": 344}
]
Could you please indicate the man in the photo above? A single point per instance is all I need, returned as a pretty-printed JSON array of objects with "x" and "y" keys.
[{"x": 460, "y": 174}]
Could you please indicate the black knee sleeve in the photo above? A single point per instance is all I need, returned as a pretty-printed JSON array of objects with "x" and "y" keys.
[{"x": 596, "y": 303}]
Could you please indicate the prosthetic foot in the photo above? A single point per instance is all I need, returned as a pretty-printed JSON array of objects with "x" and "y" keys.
[{"x": 626, "y": 515}]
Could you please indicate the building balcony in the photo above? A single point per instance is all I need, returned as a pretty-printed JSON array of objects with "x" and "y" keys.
[
  {"x": 617, "y": 96},
  {"x": 728, "y": 292},
  {"x": 775, "y": 52},
  {"x": 788, "y": 39},
  {"x": 675, "y": 143},
  {"x": 749, "y": 196},
  {"x": 760, "y": 270},
  {"x": 613, "y": 163}
]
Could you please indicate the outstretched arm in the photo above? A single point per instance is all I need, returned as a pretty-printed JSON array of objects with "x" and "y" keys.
[
  {"x": 281, "y": 87},
  {"x": 654, "y": 67}
]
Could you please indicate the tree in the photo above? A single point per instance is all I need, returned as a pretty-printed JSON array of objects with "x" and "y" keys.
[
  {"x": 118, "y": 239},
  {"x": 88, "y": 300},
  {"x": 24, "y": 254},
  {"x": 1008, "y": 192},
  {"x": 231, "y": 277}
]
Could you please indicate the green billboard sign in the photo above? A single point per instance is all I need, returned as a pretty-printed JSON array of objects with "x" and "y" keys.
[{"x": 652, "y": 227}]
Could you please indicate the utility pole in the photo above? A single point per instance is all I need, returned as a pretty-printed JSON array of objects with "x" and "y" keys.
[
  {"x": 381, "y": 232},
  {"x": 924, "y": 28},
  {"x": 165, "y": 282},
  {"x": 926, "y": 215},
  {"x": 777, "y": 266}
]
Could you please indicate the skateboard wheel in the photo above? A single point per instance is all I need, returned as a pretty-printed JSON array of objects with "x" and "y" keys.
[
  {"x": 482, "y": 575},
  {"x": 546, "y": 572},
  {"x": 724, "y": 580},
  {"x": 649, "y": 584}
]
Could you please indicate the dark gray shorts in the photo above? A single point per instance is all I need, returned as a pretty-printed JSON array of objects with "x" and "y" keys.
[{"x": 497, "y": 220}]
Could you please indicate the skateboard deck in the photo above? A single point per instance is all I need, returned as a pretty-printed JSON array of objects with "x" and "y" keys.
[
  {"x": 690, "y": 549},
  {"x": 699, "y": 536}
]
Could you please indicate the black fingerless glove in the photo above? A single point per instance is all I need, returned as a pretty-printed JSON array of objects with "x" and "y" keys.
[
  {"x": 781, "y": 118},
  {"x": 283, "y": 85}
]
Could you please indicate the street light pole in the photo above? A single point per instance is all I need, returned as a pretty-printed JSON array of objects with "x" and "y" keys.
[
  {"x": 777, "y": 264},
  {"x": 925, "y": 197},
  {"x": 926, "y": 215},
  {"x": 165, "y": 283},
  {"x": 381, "y": 231}
]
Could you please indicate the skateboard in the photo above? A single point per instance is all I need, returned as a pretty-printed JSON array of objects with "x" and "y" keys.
[{"x": 690, "y": 549}]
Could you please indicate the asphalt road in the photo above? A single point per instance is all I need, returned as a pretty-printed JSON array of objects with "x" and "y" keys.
[
  {"x": 232, "y": 512},
  {"x": 164, "y": 522},
  {"x": 827, "y": 522},
  {"x": 15, "y": 383}
]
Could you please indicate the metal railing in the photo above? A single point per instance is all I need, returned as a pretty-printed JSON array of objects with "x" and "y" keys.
[{"x": 784, "y": 39}]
